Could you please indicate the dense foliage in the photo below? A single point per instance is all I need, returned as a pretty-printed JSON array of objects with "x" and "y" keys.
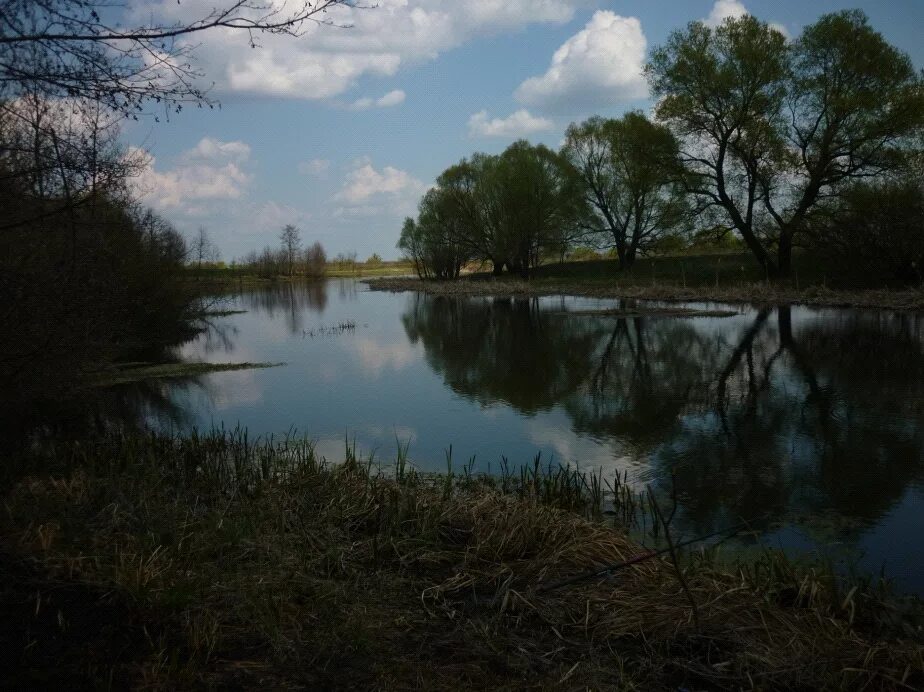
[
  {"x": 758, "y": 140},
  {"x": 86, "y": 274},
  {"x": 774, "y": 132}
]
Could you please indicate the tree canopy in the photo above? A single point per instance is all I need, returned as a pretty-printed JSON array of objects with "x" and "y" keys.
[
  {"x": 771, "y": 130},
  {"x": 629, "y": 175}
]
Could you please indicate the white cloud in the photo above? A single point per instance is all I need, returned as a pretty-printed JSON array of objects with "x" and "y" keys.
[
  {"x": 519, "y": 124},
  {"x": 365, "y": 182},
  {"x": 392, "y": 98},
  {"x": 325, "y": 62},
  {"x": 599, "y": 66},
  {"x": 315, "y": 167},
  {"x": 212, "y": 170},
  {"x": 726, "y": 9},
  {"x": 211, "y": 149},
  {"x": 271, "y": 216}
]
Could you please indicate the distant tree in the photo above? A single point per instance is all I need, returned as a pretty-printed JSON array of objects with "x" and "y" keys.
[
  {"x": 374, "y": 259},
  {"x": 203, "y": 249},
  {"x": 291, "y": 240},
  {"x": 772, "y": 131},
  {"x": 315, "y": 260},
  {"x": 630, "y": 176}
]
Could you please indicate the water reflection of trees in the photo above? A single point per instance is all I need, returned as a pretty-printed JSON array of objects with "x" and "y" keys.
[
  {"x": 129, "y": 407},
  {"x": 290, "y": 300},
  {"x": 756, "y": 417},
  {"x": 501, "y": 349}
]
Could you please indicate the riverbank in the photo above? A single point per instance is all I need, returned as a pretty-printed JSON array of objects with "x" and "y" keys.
[
  {"x": 218, "y": 561},
  {"x": 232, "y": 278},
  {"x": 755, "y": 293}
]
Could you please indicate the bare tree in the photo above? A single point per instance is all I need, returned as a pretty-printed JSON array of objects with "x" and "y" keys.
[
  {"x": 203, "y": 248},
  {"x": 291, "y": 240},
  {"x": 77, "y": 48}
]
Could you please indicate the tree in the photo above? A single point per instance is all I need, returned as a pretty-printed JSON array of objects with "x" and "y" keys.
[
  {"x": 878, "y": 230},
  {"x": 771, "y": 131},
  {"x": 436, "y": 242},
  {"x": 203, "y": 249},
  {"x": 539, "y": 203},
  {"x": 507, "y": 209},
  {"x": 630, "y": 176},
  {"x": 315, "y": 260},
  {"x": 291, "y": 240},
  {"x": 79, "y": 49}
]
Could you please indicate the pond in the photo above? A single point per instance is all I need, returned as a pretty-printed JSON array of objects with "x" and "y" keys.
[{"x": 807, "y": 422}]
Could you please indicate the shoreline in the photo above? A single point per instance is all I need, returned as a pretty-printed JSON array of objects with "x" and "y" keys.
[
  {"x": 241, "y": 563},
  {"x": 909, "y": 300}
]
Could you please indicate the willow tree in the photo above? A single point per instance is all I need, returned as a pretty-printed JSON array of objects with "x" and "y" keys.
[
  {"x": 436, "y": 242},
  {"x": 514, "y": 207},
  {"x": 773, "y": 130},
  {"x": 629, "y": 176}
]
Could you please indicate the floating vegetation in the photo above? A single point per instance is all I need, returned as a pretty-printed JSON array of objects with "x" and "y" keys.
[
  {"x": 137, "y": 372},
  {"x": 346, "y": 326}
]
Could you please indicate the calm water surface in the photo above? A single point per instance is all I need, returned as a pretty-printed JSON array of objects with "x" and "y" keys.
[{"x": 809, "y": 421}]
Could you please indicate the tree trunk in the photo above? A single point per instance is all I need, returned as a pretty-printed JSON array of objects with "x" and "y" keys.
[
  {"x": 629, "y": 258},
  {"x": 784, "y": 254}
]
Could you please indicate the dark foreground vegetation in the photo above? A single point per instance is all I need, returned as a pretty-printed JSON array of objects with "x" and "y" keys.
[{"x": 219, "y": 561}]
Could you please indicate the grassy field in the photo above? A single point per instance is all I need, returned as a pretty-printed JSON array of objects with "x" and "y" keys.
[
  {"x": 218, "y": 561},
  {"x": 234, "y": 276}
]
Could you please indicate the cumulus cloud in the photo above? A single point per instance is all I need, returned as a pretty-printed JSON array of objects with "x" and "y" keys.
[
  {"x": 518, "y": 124},
  {"x": 326, "y": 62},
  {"x": 315, "y": 167},
  {"x": 599, "y": 66},
  {"x": 212, "y": 150},
  {"x": 726, "y": 9},
  {"x": 212, "y": 170},
  {"x": 365, "y": 182},
  {"x": 392, "y": 98}
]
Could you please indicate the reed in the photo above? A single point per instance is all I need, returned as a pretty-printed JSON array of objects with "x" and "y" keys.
[{"x": 223, "y": 560}]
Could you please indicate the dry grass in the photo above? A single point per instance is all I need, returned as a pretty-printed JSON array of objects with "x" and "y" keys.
[
  {"x": 216, "y": 561},
  {"x": 755, "y": 293}
]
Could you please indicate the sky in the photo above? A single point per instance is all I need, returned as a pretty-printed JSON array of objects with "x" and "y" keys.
[{"x": 341, "y": 130}]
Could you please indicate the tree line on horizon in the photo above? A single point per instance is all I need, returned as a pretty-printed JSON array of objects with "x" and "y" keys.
[{"x": 810, "y": 143}]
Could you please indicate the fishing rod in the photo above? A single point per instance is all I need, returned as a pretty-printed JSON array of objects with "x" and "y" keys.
[{"x": 616, "y": 566}]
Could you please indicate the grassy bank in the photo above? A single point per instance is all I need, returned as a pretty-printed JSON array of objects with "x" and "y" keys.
[
  {"x": 218, "y": 561},
  {"x": 721, "y": 278}
]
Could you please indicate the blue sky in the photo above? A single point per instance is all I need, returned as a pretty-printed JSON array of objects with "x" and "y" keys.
[{"x": 341, "y": 130}]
